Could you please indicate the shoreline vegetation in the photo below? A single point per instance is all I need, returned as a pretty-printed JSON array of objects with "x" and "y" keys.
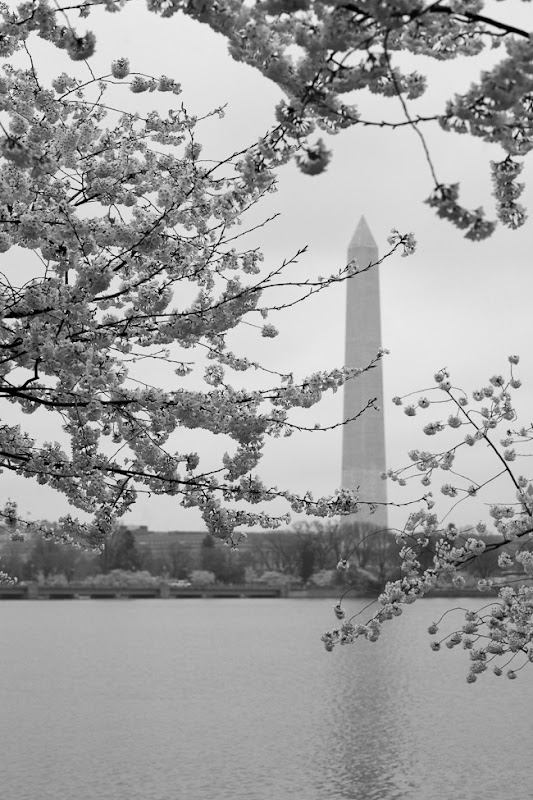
[
  {"x": 324, "y": 559},
  {"x": 295, "y": 564}
]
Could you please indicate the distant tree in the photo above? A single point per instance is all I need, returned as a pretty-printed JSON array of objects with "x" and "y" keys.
[
  {"x": 307, "y": 560},
  {"x": 15, "y": 560},
  {"x": 120, "y": 552},
  {"x": 120, "y": 578},
  {"x": 365, "y": 545},
  {"x": 208, "y": 542},
  {"x": 88, "y": 564},
  {"x": 178, "y": 561},
  {"x": 148, "y": 561},
  {"x": 250, "y": 575},
  {"x": 171, "y": 560},
  {"x": 327, "y": 540},
  {"x": 278, "y": 552},
  {"x": 359, "y": 541},
  {"x": 227, "y": 566},
  {"x": 43, "y": 557},
  {"x": 275, "y": 578},
  {"x": 385, "y": 561},
  {"x": 212, "y": 559},
  {"x": 201, "y": 577},
  {"x": 48, "y": 557},
  {"x": 324, "y": 578}
]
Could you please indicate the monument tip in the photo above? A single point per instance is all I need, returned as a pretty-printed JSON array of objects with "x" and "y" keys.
[{"x": 362, "y": 235}]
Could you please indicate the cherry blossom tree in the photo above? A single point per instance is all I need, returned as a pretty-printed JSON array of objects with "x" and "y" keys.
[
  {"x": 132, "y": 237},
  {"x": 319, "y": 51},
  {"x": 500, "y": 634}
]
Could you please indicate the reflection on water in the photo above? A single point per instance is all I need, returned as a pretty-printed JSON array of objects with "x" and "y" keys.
[
  {"x": 410, "y": 727},
  {"x": 238, "y": 700}
]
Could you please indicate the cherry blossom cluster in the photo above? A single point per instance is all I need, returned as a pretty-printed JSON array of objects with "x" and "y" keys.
[
  {"x": 319, "y": 51},
  {"x": 498, "y": 107},
  {"x": 507, "y": 190},
  {"x": 445, "y": 200},
  {"x": 502, "y": 636},
  {"x": 497, "y": 637}
]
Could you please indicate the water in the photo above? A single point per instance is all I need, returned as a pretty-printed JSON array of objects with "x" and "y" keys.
[{"x": 238, "y": 700}]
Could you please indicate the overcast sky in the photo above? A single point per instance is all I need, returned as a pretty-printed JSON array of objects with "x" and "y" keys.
[{"x": 454, "y": 303}]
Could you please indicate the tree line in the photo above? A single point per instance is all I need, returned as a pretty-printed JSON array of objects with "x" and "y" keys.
[{"x": 308, "y": 554}]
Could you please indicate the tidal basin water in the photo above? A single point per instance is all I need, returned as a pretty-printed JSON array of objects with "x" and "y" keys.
[{"x": 238, "y": 700}]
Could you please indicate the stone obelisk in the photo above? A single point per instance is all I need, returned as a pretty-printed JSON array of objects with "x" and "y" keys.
[{"x": 363, "y": 444}]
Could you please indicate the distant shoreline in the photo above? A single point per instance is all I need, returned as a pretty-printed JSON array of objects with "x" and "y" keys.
[{"x": 33, "y": 591}]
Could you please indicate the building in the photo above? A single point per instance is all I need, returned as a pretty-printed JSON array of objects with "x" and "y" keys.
[{"x": 363, "y": 444}]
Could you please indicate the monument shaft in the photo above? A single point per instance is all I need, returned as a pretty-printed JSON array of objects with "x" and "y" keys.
[{"x": 363, "y": 445}]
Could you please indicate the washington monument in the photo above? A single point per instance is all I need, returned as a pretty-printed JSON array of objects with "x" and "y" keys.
[{"x": 363, "y": 444}]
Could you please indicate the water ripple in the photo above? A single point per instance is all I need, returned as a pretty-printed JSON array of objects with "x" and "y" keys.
[{"x": 237, "y": 700}]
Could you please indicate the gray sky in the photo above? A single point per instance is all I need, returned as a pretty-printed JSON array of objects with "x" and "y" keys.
[{"x": 454, "y": 303}]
